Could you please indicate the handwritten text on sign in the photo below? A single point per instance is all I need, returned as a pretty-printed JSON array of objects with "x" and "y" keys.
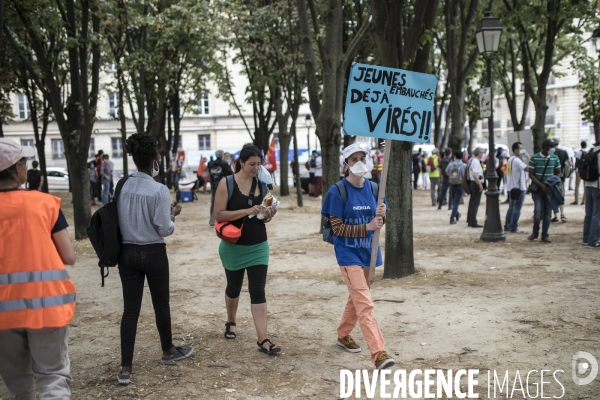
[{"x": 389, "y": 103}]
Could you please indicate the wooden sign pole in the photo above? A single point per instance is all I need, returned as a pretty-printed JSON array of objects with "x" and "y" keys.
[{"x": 382, "y": 186}]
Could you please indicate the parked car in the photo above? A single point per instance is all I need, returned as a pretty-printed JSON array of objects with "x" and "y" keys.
[{"x": 58, "y": 178}]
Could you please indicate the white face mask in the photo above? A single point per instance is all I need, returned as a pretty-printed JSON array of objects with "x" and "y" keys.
[
  {"x": 155, "y": 169},
  {"x": 359, "y": 169},
  {"x": 551, "y": 150},
  {"x": 522, "y": 152}
]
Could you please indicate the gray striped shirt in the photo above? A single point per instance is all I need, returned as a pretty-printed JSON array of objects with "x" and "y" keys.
[{"x": 144, "y": 207}]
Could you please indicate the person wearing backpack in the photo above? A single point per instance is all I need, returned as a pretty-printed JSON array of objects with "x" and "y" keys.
[
  {"x": 589, "y": 170},
  {"x": 542, "y": 166},
  {"x": 38, "y": 297},
  {"x": 250, "y": 253},
  {"x": 217, "y": 169},
  {"x": 447, "y": 160},
  {"x": 455, "y": 172},
  {"x": 475, "y": 180},
  {"x": 516, "y": 186},
  {"x": 579, "y": 154},
  {"x": 353, "y": 224},
  {"x": 146, "y": 217},
  {"x": 433, "y": 163}
]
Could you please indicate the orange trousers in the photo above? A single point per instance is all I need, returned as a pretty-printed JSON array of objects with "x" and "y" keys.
[{"x": 360, "y": 308}]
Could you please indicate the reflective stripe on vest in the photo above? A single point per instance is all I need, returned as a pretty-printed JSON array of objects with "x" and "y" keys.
[
  {"x": 41, "y": 302},
  {"x": 33, "y": 276}
]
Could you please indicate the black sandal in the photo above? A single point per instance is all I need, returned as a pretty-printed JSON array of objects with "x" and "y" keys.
[
  {"x": 272, "y": 348},
  {"x": 229, "y": 335}
]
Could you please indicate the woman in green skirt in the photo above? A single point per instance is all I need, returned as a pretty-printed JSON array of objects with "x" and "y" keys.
[{"x": 251, "y": 252}]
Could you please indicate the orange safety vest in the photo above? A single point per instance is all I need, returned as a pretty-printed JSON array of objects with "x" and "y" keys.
[{"x": 35, "y": 289}]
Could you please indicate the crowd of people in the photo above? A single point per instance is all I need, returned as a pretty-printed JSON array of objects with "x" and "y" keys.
[
  {"x": 40, "y": 301},
  {"x": 545, "y": 175}
]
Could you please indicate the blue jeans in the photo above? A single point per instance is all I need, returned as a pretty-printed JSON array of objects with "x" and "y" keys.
[
  {"x": 456, "y": 192},
  {"x": 514, "y": 213},
  {"x": 175, "y": 180},
  {"x": 444, "y": 190},
  {"x": 92, "y": 190},
  {"x": 105, "y": 190},
  {"x": 591, "y": 222},
  {"x": 542, "y": 212}
]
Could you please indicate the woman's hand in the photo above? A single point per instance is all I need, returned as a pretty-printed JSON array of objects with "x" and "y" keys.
[
  {"x": 254, "y": 210},
  {"x": 268, "y": 213},
  {"x": 375, "y": 224},
  {"x": 380, "y": 211},
  {"x": 175, "y": 210}
]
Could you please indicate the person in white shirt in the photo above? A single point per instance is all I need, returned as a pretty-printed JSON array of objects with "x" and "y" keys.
[
  {"x": 475, "y": 178},
  {"x": 318, "y": 176},
  {"x": 516, "y": 186}
]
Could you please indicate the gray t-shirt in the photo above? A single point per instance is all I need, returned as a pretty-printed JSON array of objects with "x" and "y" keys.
[{"x": 144, "y": 208}]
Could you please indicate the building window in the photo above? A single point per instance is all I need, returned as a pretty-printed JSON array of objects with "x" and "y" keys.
[
  {"x": 204, "y": 104},
  {"x": 117, "y": 147},
  {"x": 113, "y": 105},
  {"x": 58, "y": 149},
  {"x": 485, "y": 124},
  {"x": 203, "y": 142},
  {"x": 92, "y": 149},
  {"x": 23, "y": 106},
  {"x": 30, "y": 143}
]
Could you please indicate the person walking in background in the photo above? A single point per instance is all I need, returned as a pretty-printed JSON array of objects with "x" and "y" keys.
[
  {"x": 312, "y": 165},
  {"x": 416, "y": 167},
  {"x": 500, "y": 163},
  {"x": 353, "y": 225},
  {"x": 475, "y": 179},
  {"x": 516, "y": 186},
  {"x": 433, "y": 167},
  {"x": 445, "y": 180},
  {"x": 174, "y": 169},
  {"x": 318, "y": 176},
  {"x": 250, "y": 254},
  {"x": 565, "y": 167},
  {"x": 35, "y": 177},
  {"x": 591, "y": 222},
  {"x": 579, "y": 154},
  {"x": 217, "y": 169},
  {"x": 111, "y": 165},
  {"x": 542, "y": 165},
  {"x": 105, "y": 177},
  {"x": 38, "y": 297},
  {"x": 455, "y": 172},
  {"x": 93, "y": 179},
  {"x": 98, "y": 164},
  {"x": 146, "y": 217}
]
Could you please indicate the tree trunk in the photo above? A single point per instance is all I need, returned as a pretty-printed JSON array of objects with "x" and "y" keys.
[
  {"x": 284, "y": 163},
  {"x": 457, "y": 115},
  {"x": 297, "y": 169},
  {"x": 539, "y": 127},
  {"x": 122, "y": 119},
  {"x": 395, "y": 50}
]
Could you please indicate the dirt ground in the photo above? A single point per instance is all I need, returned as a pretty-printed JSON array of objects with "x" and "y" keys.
[{"x": 509, "y": 306}]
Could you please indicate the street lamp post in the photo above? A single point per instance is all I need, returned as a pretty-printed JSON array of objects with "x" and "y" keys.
[
  {"x": 307, "y": 122},
  {"x": 488, "y": 35}
]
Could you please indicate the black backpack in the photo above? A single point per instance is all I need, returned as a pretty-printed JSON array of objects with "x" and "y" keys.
[
  {"x": 327, "y": 231},
  {"x": 578, "y": 161},
  {"x": 588, "y": 168},
  {"x": 104, "y": 233}
]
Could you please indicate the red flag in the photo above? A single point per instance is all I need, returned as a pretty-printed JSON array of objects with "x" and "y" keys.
[{"x": 271, "y": 157}]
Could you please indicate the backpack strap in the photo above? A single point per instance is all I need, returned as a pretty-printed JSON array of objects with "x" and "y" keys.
[
  {"x": 374, "y": 190},
  {"x": 342, "y": 189},
  {"x": 230, "y": 183},
  {"x": 263, "y": 188},
  {"x": 120, "y": 185}
]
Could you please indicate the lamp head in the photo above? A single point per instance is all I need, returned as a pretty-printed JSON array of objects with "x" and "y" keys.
[{"x": 488, "y": 35}]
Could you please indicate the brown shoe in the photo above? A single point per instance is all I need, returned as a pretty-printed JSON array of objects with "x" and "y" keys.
[
  {"x": 349, "y": 344},
  {"x": 546, "y": 240},
  {"x": 532, "y": 237},
  {"x": 384, "y": 361}
]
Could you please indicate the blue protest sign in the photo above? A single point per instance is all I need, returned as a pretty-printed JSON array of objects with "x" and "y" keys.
[{"x": 389, "y": 103}]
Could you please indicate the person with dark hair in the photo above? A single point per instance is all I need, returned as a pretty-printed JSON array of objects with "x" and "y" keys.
[
  {"x": 93, "y": 179},
  {"x": 250, "y": 254},
  {"x": 38, "y": 297},
  {"x": 35, "y": 177},
  {"x": 579, "y": 154},
  {"x": 146, "y": 216},
  {"x": 445, "y": 182},
  {"x": 516, "y": 183},
  {"x": 106, "y": 178},
  {"x": 455, "y": 171},
  {"x": 217, "y": 169},
  {"x": 565, "y": 166},
  {"x": 353, "y": 225}
]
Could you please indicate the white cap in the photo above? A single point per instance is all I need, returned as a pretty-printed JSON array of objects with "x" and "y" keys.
[
  {"x": 353, "y": 148},
  {"x": 11, "y": 152}
]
